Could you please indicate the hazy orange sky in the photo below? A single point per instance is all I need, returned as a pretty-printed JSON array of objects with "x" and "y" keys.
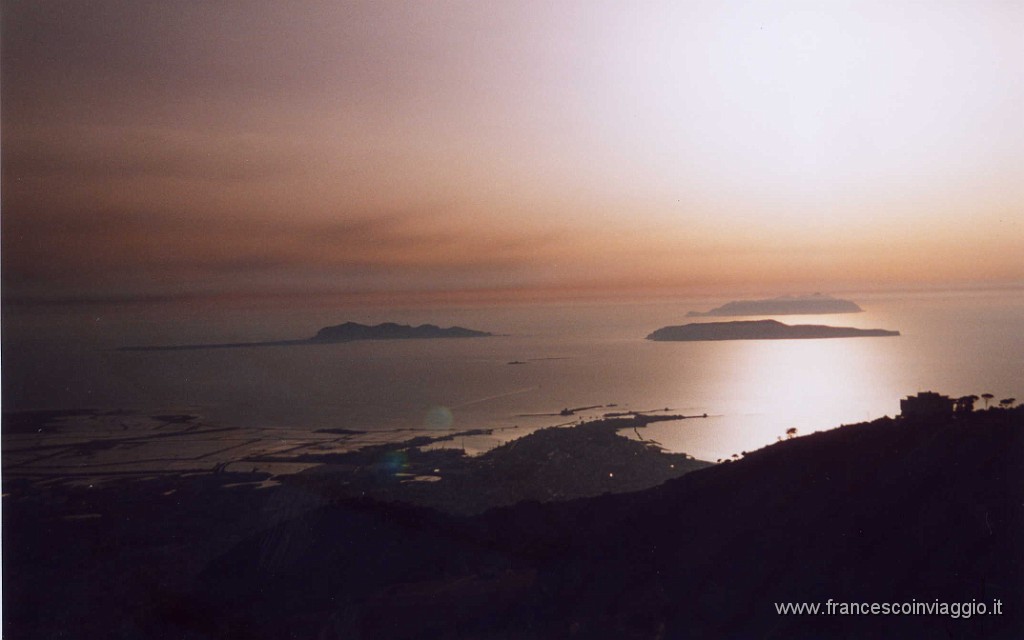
[{"x": 155, "y": 148}]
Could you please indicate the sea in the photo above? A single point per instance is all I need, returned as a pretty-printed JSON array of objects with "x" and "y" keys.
[{"x": 588, "y": 357}]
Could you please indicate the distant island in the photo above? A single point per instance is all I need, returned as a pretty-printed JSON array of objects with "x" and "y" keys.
[
  {"x": 784, "y": 305},
  {"x": 347, "y": 332},
  {"x": 391, "y": 331},
  {"x": 760, "y": 330}
]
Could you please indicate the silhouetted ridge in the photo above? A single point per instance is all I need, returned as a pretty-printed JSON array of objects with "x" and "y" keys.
[
  {"x": 760, "y": 330},
  {"x": 924, "y": 508},
  {"x": 784, "y": 305},
  {"x": 890, "y": 511}
]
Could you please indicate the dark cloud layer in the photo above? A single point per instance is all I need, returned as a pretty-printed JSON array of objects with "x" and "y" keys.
[
  {"x": 118, "y": 251},
  {"x": 105, "y": 153}
]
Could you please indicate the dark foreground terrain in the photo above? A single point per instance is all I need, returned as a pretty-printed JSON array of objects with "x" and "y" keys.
[{"x": 887, "y": 511}]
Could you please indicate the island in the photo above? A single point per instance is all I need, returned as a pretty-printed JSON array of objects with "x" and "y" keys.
[
  {"x": 391, "y": 331},
  {"x": 783, "y": 305},
  {"x": 760, "y": 330},
  {"x": 347, "y": 332}
]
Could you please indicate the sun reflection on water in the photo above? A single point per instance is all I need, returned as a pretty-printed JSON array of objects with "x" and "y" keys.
[{"x": 769, "y": 386}]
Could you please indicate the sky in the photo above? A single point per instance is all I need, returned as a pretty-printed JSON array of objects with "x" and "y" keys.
[{"x": 176, "y": 149}]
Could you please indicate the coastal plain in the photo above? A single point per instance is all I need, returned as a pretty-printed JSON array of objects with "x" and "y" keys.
[
  {"x": 93, "y": 449},
  {"x": 218, "y": 551}
]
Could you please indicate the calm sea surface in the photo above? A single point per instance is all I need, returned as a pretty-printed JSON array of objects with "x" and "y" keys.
[{"x": 575, "y": 356}]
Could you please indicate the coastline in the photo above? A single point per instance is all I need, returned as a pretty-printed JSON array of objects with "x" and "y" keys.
[
  {"x": 89, "y": 447},
  {"x": 224, "y": 553}
]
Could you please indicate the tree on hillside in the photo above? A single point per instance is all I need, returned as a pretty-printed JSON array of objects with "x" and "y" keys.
[
  {"x": 1006, "y": 403},
  {"x": 964, "y": 404},
  {"x": 791, "y": 432},
  {"x": 986, "y": 397}
]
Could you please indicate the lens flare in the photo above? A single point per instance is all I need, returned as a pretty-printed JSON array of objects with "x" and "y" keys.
[
  {"x": 391, "y": 464},
  {"x": 439, "y": 418}
]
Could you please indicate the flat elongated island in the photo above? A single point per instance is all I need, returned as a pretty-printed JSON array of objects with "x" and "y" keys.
[{"x": 760, "y": 330}]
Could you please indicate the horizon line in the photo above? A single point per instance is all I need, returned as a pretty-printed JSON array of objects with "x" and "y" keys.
[{"x": 496, "y": 296}]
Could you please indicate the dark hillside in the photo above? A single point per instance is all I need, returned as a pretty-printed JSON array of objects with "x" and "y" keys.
[
  {"x": 888, "y": 511},
  {"x": 880, "y": 512}
]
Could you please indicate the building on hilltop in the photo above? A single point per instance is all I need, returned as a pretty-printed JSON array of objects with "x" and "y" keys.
[{"x": 927, "y": 404}]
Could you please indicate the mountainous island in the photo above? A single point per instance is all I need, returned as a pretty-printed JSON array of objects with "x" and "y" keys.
[
  {"x": 760, "y": 330},
  {"x": 783, "y": 305},
  {"x": 347, "y": 332},
  {"x": 391, "y": 331}
]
